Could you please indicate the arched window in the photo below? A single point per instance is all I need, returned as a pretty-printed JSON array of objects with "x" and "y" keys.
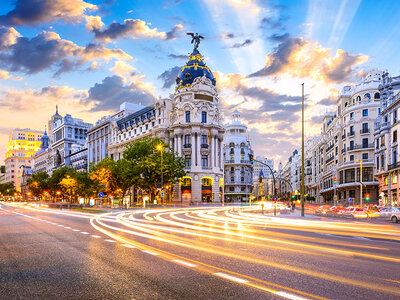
[
  {"x": 358, "y": 98},
  {"x": 377, "y": 96},
  {"x": 367, "y": 95},
  {"x": 345, "y": 104}
]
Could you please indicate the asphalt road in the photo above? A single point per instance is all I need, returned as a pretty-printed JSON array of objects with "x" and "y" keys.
[{"x": 203, "y": 253}]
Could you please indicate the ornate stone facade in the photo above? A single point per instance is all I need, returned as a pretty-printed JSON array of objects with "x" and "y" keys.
[{"x": 191, "y": 123}]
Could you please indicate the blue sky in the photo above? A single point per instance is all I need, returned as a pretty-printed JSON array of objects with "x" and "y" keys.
[{"x": 89, "y": 56}]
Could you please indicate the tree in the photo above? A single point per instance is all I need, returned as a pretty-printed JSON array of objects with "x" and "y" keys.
[
  {"x": 69, "y": 185},
  {"x": 38, "y": 183},
  {"x": 7, "y": 188}
]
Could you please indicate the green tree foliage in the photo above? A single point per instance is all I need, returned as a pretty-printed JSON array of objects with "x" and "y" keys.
[
  {"x": 38, "y": 183},
  {"x": 7, "y": 188}
]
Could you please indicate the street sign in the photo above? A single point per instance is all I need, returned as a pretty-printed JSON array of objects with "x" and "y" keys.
[
  {"x": 349, "y": 199},
  {"x": 162, "y": 193},
  {"x": 101, "y": 195},
  {"x": 335, "y": 197},
  {"x": 275, "y": 198}
]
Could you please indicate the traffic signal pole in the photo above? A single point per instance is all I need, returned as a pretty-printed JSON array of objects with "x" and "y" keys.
[{"x": 252, "y": 160}]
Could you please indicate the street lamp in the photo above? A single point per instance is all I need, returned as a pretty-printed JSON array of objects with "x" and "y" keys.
[
  {"x": 361, "y": 179},
  {"x": 161, "y": 149}
]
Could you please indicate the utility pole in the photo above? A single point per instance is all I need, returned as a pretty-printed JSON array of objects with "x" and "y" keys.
[{"x": 302, "y": 150}]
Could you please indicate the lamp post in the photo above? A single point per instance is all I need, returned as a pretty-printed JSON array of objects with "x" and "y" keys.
[
  {"x": 161, "y": 149},
  {"x": 302, "y": 150},
  {"x": 361, "y": 179}
]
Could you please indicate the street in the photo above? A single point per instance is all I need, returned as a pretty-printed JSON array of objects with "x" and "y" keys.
[{"x": 194, "y": 253}]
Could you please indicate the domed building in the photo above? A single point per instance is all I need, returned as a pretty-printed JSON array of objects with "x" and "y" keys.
[
  {"x": 191, "y": 123},
  {"x": 238, "y": 168},
  {"x": 42, "y": 160}
]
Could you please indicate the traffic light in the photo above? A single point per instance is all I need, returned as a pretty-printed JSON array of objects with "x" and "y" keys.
[
  {"x": 367, "y": 197},
  {"x": 292, "y": 195},
  {"x": 269, "y": 196},
  {"x": 251, "y": 158},
  {"x": 260, "y": 179},
  {"x": 334, "y": 180}
]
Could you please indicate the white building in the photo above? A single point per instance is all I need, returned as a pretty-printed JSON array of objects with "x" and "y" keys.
[
  {"x": 191, "y": 124},
  {"x": 387, "y": 128},
  {"x": 346, "y": 142},
  {"x": 238, "y": 183},
  {"x": 42, "y": 160},
  {"x": 64, "y": 133}
]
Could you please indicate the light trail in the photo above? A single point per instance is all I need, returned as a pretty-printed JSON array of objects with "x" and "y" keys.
[{"x": 325, "y": 276}]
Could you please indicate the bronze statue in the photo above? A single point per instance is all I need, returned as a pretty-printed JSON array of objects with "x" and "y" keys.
[{"x": 195, "y": 39}]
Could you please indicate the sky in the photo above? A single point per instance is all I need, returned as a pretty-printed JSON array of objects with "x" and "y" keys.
[{"x": 89, "y": 56}]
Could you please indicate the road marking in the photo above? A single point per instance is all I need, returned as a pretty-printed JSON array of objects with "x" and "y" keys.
[
  {"x": 96, "y": 236},
  {"x": 392, "y": 280},
  {"x": 84, "y": 232},
  {"x": 185, "y": 263},
  {"x": 60, "y": 225},
  {"x": 290, "y": 296},
  {"x": 75, "y": 230},
  {"x": 110, "y": 241},
  {"x": 67, "y": 227},
  {"x": 361, "y": 238},
  {"x": 232, "y": 278},
  {"x": 128, "y": 246},
  {"x": 151, "y": 252}
]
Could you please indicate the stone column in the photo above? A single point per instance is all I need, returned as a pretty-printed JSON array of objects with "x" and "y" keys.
[
  {"x": 175, "y": 144},
  {"x": 211, "y": 151},
  {"x": 221, "y": 154},
  {"x": 193, "y": 154},
  {"x": 198, "y": 148}
]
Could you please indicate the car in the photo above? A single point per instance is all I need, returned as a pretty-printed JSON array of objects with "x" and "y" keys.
[
  {"x": 348, "y": 211},
  {"x": 395, "y": 215},
  {"x": 360, "y": 213},
  {"x": 385, "y": 212}
]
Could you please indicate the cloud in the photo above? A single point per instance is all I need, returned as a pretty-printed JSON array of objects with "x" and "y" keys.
[
  {"x": 178, "y": 56},
  {"x": 169, "y": 77},
  {"x": 4, "y": 75},
  {"x": 122, "y": 68},
  {"x": 300, "y": 58},
  {"x": 240, "y": 45},
  {"x": 8, "y": 37},
  {"x": 274, "y": 23},
  {"x": 227, "y": 36},
  {"x": 48, "y": 51},
  {"x": 134, "y": 29},
  {"x": 279, "y": 37},
  {"x": 114, "y": 90},
  {"x": 30, "y": 12},
  {"x": 172, "y": 34}
]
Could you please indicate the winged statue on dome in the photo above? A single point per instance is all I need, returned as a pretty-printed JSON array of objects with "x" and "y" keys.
[{"x": 195, "y": 39}]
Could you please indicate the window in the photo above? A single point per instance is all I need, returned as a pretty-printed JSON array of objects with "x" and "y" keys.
[
  {"x": 394, "y": 116},
  {"x": 365, "y": 143},
  {"x": 382, "y": 161},
  {"x": 394, "y": 179},
  {"x": 395, "y": 136},
  {"x": 204, "y": 161},
  {"x": 351, "y": 115},
  {"x": 351, "y": 130},
  {"x": 365, "y": 113},
  {"x": 367, "y": 96},
  {"x": 187, "y": 116},
  {"x": 242, "y": 179},
  {"x": 187, "y": 139},
  {"x": 365, "y": 128},
  {"x": 352, "y": 157},
  {"x": 188, "y": 161},
  {"x": 365, "y": 156},
  {"x": 204, "y": 139},
  {"x": 203, "y": 117},
  {"x": 377, "y": 96},
  {"x": 377, "y": 162},
  {"x": 351, "y": 145},
  {"x": 232, "y": 179},
  {"x": 385, "y": 181}
]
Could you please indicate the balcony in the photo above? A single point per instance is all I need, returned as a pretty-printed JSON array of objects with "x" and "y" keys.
[
  {"x": 364, "y": 130},
  {"x": 187, "y": 145},
  {"x": 204, "y": 146},
  {"x": 343, "y": 136},
  {"x": 330, "y": 147},
  {"x": 329, "y": 159},
  {"x": 344, "y": 150},
  {"x": 357, "y": 147},
  {"x": 394, "y": 166},
  {"x": 351, "y": 133}
]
